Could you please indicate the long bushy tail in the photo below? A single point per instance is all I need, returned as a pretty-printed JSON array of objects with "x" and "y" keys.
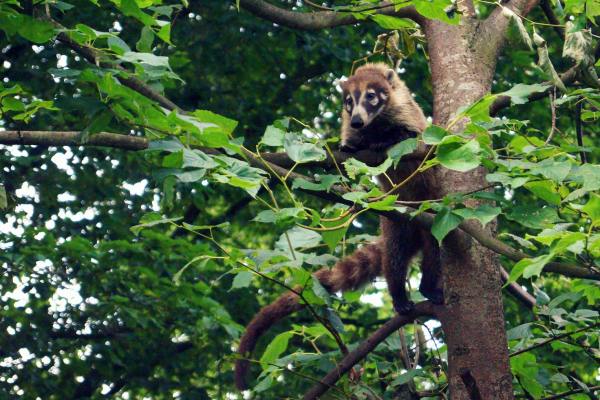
[{"x": 349, "y": 273}]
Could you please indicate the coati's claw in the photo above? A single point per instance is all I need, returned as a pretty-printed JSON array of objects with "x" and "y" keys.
[
  {"x": 435, "y": 295},
  {"x": 405, "y": 307}
]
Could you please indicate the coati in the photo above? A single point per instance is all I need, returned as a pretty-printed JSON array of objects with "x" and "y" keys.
[{"x": 378, "y": 112}]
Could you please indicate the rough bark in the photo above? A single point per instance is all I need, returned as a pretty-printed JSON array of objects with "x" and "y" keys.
[{"x": 473, "y": 318}]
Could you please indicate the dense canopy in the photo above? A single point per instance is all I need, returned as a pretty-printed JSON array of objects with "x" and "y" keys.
[{"x": 169, "y": 168}]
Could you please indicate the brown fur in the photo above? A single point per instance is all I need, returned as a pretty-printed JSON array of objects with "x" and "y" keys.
[{"x": 394, "y": 117}]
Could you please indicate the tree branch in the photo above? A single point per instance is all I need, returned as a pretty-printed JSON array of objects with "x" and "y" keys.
[
  {"x": 551, "y": 17},
  {"x": 312, "y": 21},
  {"x": 346, "y": 364},
  {"x": 73, "y": 138},
  {"x": 518, "y": 292}
]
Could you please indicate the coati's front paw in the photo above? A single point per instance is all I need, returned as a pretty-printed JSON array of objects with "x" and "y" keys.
[
  {"x": 405, "y": 307},
  {"x": 435, "y": 295}
]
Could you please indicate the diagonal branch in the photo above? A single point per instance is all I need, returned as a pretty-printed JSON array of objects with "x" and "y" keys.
[
  {"x": 312, "y": 21},
  {"x": 93, "y": 56},
  {"x": 346, "y": 364}
]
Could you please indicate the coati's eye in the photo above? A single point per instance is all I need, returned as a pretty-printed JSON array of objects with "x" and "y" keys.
[
  {"x": 372, "y": 98},
  {"x": 348, "y": 103}
]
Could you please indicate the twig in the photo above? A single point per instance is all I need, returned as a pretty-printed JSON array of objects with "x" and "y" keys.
[
  {"x": 552, "y": 96},
  {"x": 552, "y": 339}
]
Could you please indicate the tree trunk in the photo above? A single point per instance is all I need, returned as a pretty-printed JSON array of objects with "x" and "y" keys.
[{"x": 462, "y": 66}]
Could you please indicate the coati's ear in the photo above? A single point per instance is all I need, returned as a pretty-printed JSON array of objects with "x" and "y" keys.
[{"x": 390, "y": 74}]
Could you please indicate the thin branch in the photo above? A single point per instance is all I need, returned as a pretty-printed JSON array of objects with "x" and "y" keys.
[
  {"x": 346, "y": 364},
  {"x": 311, "y": 21},
  {"x": 518, "y": 292},
  {"x": 554, "y": 338},
  {"x": 564, "y": 395}
]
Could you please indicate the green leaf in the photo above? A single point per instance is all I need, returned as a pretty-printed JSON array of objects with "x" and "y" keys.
[
  {"x": 299, "y": 237},
  {"x": 165, "y": 33},
  {"x": 484, "y": 213},
  {"x": 144, "y": 44},
  {"x": 444, "y": 222},
  {"x": 324, "y": 182},
  {"x": 529, "y": 267},
  {"x": 519, "y": 94},
  {"x": 242, "y": 279},
  {"x": 391, "y": 22},
  {"x": 385, "y": 204},
  {"x": 507, "y": 180},
  {"x": 463, "y": 158},
  {"x": 436, "y": 9},
  {"x": 131, "y": 9},
  {"x": 302, "y": 152},
  {"x": 273, "y": 136},
  {"x": 333, "y": 237},
  {"x": 277, "y": 346},
  {"x": 401, "y": 149},
  {"x": 545, "y": 190},
  {"x": 407, "y": 377},
  {"x": 197, "y": 159},
  {"x": 434, "y": 134},
  {"x": 35, "y": 30},
  {"x": 552, "y": 169},
  {"x": 226, "y": 125},
  {"x": 354, "y": 167},
  {"x": 150, "y": 220},
  {"x": 592, "y": 208},
  {"x": 282, "y": 216},
  {"x": 533, "y": 216}
]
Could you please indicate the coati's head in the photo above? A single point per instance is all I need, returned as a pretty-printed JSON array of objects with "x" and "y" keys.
[{"x": 378, "y": 110}]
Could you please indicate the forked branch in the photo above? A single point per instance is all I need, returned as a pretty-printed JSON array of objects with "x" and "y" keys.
[
  {"x": 312, "y": 21},
  {"x": 346, "y": 364}
]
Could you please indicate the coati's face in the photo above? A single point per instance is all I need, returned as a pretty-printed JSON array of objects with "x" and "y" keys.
[{"x": 365, "y": 96}]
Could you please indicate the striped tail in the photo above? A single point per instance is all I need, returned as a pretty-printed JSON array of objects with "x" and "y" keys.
[{"x": 351, "y": 272}]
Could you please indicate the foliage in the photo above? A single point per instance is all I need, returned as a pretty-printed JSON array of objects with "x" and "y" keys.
[{"x": 132, "y": 275}]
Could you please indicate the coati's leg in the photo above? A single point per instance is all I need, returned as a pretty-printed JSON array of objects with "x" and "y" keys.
[
  {"x": 431, "y": 269},
  {"x": 401, "y": 242}
]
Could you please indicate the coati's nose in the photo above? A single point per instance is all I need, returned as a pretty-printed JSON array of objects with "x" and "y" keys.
[{"x": 356, "y": 122}]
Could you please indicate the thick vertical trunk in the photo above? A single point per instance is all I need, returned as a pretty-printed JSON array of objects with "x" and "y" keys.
[{"x": 473, "y": 318}]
